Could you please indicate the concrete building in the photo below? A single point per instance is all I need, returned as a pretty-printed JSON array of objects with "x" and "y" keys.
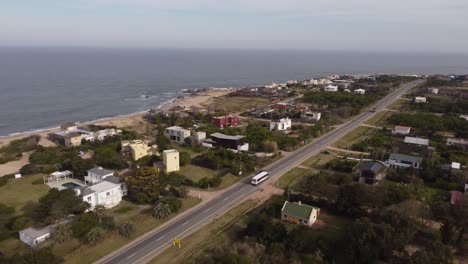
[
  {"x": 171, "y": 160},
  {"x": 225, "y": 121},
  {"x": 236, "y": 143},
  {"x": 299, "y": 213},
  {"x": 434, "y": 90},
  {"x": 401, "y": 130},
  {"x": 33, "y": 237},
  {"x": 177, "y": 134},
  {"x": 97, "y": 174},
  {"x": 403, "y": 161},
  {"x": 104, "y": 193},
  {"x": 420, "y": 99},
  {"x": 72, "y": 139},
  {"x": 417, "y": 141},
  {"x": 359, "y": 91},
  {"x": 370, "y": 172},
  {"x": 137, "y": 149},
  {"x": 311, "y": 116},
  {"x": 281, "y": 125},
  {"x": 198, "y": 137},
  {"x": 457, "y": 141},
  {"x": 331, "y": 88}
]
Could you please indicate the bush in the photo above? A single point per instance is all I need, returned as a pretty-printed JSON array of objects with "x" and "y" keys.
[
  {"x": 19, "y": 223},
  {"x": 83, "y": 224},
  {"x": 174, "y": 203},
  {"x": 342, "y": 165},
  {"x": 6, "y": 210},
  {"x": 184, "y": 158},
  {"x": 30, "y": 169},
  {"x": 3, "y": 180}
]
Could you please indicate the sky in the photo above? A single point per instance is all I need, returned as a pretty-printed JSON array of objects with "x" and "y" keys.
[{"x": 357, "y": 25}]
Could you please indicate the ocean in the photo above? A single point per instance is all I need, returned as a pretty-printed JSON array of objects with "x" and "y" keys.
[{"x": 44, "y": 87}]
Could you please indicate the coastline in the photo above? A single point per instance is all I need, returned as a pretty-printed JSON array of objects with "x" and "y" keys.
[{"x": 196, "y": 99}]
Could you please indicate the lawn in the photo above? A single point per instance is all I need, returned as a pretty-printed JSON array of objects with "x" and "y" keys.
[
  {"x": 397, "y": 104},
  {"x": 330, "y": 225},
  {"x": 196, "y": 173},
  {"x": 233, "y": 104},
  {"x": 216, "y": 233},
  {"x": 291, "y": 178},
  {"x": 143, "y": 224},
  {"x": 20, "y": 192},
  {"x": 319, "y": 160},
  {"x": 379, "y": 118},
  {"x": 353, "y": 136}
]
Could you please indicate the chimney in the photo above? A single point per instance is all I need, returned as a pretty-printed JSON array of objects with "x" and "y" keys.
[{"x": 299, "y": 203}]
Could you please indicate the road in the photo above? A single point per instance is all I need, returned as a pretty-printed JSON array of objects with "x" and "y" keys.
[{"x": 151, "y": 246}]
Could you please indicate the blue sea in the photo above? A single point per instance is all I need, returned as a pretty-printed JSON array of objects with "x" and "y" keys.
[{"x": 44, "y": 87}]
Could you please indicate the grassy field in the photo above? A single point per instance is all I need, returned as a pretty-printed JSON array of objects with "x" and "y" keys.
[
  {"x": 233, "y": 104},
  {"x": 143, "y": 224},
  {"x": 319, "y": 160},
  {"x": 196, "y": 173},
  {"x": 291, "y": 178},
  {"x": 330, "y": 225},
  {"x": 353, "y": 136},
  {"x": 9, "y": 193},
  {"x": 379, "y": 118},
  {"x": 397, "y": 104},
  {"x": 215, "y": 233}
]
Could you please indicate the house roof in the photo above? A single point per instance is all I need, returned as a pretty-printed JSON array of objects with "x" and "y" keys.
[
  {"x": 36, "y": 233},
  {"x": 398, "y": 156},
  {"x": 177, "y": 128},
  {"x": 223, "y": 136},
  {"x": 371, "y": 166},
  {"x": 417, "y": 141},
  {"x": 402, "y": 128},
  {"x": 301, "y": 211},
  {"x": 100, "y": 171},
  {"x": 72, "y": 135},
  {"x": 113, "y": 179},
  {"x": 103, "y": 186}
]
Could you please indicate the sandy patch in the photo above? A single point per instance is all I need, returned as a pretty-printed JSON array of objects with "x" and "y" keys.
[{"x": 14, "y": 166}]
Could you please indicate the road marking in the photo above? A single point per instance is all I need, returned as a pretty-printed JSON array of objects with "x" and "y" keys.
[
  {"x": 161, "y": 238},
  {"x": 225, "y": 199},
  {"x": 205, "y": 211},
  {"x": 131, "y": 255},
  {"x": 186, "y": 222}
]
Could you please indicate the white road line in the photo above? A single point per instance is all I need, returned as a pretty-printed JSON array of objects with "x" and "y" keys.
[
  {"x": 205, "y": 211},
  {"x": 186, "y": 222},
  {"x": 161, "y": 238},
  {"x": 225, "y": 199},
  {"x": 131, "y": 256}
]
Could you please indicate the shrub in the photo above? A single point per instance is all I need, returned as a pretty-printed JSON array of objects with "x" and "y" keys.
[
  {"x": 19, "y": 223},
  {"x": 6, "y": 210}
]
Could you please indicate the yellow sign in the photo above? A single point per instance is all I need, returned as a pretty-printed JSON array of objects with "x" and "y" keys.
[{"x": 176, "y": 241}]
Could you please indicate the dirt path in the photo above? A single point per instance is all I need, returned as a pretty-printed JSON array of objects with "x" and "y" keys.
[{"x": 14, "y": 166}]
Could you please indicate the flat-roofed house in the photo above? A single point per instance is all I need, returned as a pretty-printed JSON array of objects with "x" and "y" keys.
[
  {"x": 73, "y": 139},
  {"x": 137, "y": 149},
  {"x": 33, "y": 237},
  {"x": 370, "y": 172},
  {"x": 177, "y": 133},
  {"x": 311, "y": 116},
  {"x": 299, "y": 213},
  {"x": 97, "y": 174},
  {"x": 225, "y": 121},
  {"x": 236, "y": 143},
  {"x": 457, "y": 141},
  {"x": 331, "y": 88},
  {"x": 420, "y": 99},
  {"x": 401, "y": 130},
  {"x": 171, "y": 160},
  {"x": 403, "y": 161},
  {"x": 104, "y": 193},
  {"x": 359, "y": 91},
  {"x": 417, "y": 141},
  {"x": 281, "y": 124}
]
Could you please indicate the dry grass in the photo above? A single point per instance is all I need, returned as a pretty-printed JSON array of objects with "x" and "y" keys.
[
  {"x": 233, "y": 104},
  {"x": 353, "y": 136}
]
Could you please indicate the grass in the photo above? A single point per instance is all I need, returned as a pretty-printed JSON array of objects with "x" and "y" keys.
[
  {"x": 353, "y": 136},
  {"x": 215, "y": 233},
  {"x": 330, "y": 225},
  {"x": 143, "y": 224},
  {"x": 291, "y": 178},
  {"x": 319, "y": 160},
  {"x": 13, "y": 151},
  {"x": 397, "y": 104},
  {"x": 232, "y": 104},
  {"x": 196, "y": 173},
  {"x": 379, "y": 118}
]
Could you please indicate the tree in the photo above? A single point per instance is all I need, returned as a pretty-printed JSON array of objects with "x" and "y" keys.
[
  {"x": 184, "y": 158},
  {"x": 83, "y": 224},
  {"x": 36, "y": 256},
  {"x": 99, "y": 212},
  {"x": 95, "y": 235},
  {"x": 161, "y": 210},
  {"x": 126, "y": 229},
  {"x": 58, "y": 204},
  {"x": 143, "y": 187},
  {"x": 61, "y": 233}
]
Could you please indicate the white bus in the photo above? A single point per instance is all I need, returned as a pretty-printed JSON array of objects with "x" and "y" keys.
[{"x": 259, "y": 177}]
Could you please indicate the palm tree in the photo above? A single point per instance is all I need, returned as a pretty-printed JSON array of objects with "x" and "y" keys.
[
  {"x": 61, "y": 233},
  {"x": 95, "y": 235},
  {"x": 99, "y": 212},
  {"x": 161, "y": 210},
  {"x": 127, "y": 229}
]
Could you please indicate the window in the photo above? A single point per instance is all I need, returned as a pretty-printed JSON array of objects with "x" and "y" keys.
[
  {"x": 107, "y": 193},
  {"x": 89, "y": 199},
  {"x": 285, "y": 216}
]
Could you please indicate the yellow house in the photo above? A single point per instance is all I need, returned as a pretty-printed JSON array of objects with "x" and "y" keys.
[
  {"x": 137, "y": 148},
  {"x": 73, "y": 139},
  {"x": 171, "y": 160}
]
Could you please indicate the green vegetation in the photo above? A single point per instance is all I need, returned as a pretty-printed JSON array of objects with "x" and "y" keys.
[
  {"x": 379, "y": 118},
  {"x": 353, "y": 136},
  {"x": 15, "y": 149},
  {"x": 232, "y": 104},
  {"x": 291, "y": 178},
  {"x": 442, "y": 105}
]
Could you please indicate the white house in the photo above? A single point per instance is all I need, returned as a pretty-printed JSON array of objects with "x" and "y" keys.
[
  {"x": 331, "y": 88},
  {"x": 359, "y": 91},
  {"x": 281, "y": 125},
  {"x": 403, "y": 161},
  {"x": 311, "y": 116},
  {"x": 457, "y": 141},
  {"x": 401, "y": 130},
  {"x": 33, "y": 237},
  {"x": 97, "y": 174},
  {"x": 417, "y": 141},
  {"x": 420, "y": 99},
  {"x": 434, "y": 90},
  {"x": 198, "y": 137},
  {"x": 104, "y": 193},
  {"x": 177, "y": 133}
]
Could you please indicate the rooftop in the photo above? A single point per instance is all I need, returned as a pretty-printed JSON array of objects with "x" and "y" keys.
[
  {"x": 36, "y": 233},
  {"x": 417, "y": 141},
  {"x": 100, "y": 171},
  {"x": 371, "y": 166},
  {"x": 103, "y": 186},
  {"x": 223, "y": 136},
  {"x": 301, "y": 211},
  {"x": 402, "y": 128},
  {"x": 171, "y": 151},
  {"x": 113, "y": 179},
  {"x": 397, "y": 156},
  {"x": 177, "y": 128}
]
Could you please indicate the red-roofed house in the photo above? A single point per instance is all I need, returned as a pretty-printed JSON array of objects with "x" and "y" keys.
[
  {"x": 225, "y": 121},
  {"x": 401, "y": 130}
]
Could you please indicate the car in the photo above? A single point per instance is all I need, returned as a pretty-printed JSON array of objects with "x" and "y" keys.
[
  {"x": 80, "y": 153},
  {"x": 373, "y": 110}
]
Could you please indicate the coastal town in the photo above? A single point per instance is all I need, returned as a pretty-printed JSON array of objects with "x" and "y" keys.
[{"x": 394, "y": 188}]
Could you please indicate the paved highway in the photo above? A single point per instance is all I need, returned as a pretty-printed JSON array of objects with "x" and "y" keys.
[{"x": 149, "y": 247}]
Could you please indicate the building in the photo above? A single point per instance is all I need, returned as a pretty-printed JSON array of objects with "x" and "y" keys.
[
  {"x": 331, "y": 88},
  {"x": 282, "y": 106},
  {"x": 403, "y": 161},
  {"x": 69, "y": 127},
  {"x": 102, "y": 134},
  {"x": 177, "y": 133},
  {"x": 137, "y": 149},
  {"x": 105, "y": 193},
  {"x": 311, "y": 116},
  {"x": 72, "y": 136},
  {"x": 299, "y": 213},
  {"x": 420, "y": 99},
  {"x": 198, "y": 137},
  {"x": 225, "y": 121},
  {"x": 359, "y": 91},
  {"x": 417, "y": 141},
  {"x": 33, "y": 237},
  {"x": 72, "y": 139},
  {"x": 370, "y": 172},
  {"x": 96, "y": 175},
  {"x": 281, "y": 125},
  {"x": 434, "y": 90},
  {"x": 171, "y": 160},
  {"x": 236, "y": 143},
  {"x": 457, "y": 141},
  {"x": 401, "y": 130},
  {"x": 464, "y": 117}
]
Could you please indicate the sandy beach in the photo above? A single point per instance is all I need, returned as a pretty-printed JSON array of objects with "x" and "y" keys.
[{"x": 131, "y": 120}]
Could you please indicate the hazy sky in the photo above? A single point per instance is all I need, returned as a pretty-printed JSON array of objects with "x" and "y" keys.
[{"x": 376, "y": 25}]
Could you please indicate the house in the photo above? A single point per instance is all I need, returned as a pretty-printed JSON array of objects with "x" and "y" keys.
[
  {"x": 403, "y": 161},
  {"x": 417, "y": 141},
  {"x": 434, "y": 90},
  {"x": 177, "y": 133},
  {"x": 370, "y": 172},
  {"x": 105, "y": 193},
  {"x": 401, "y": 130},
  {"x": 299, "y": 213},
  {"x": 137, "y": 149},
  {"x": 69, "y": 127},
  {"x": 331, "y": 88},
  {"x": 263, "y": 110},
  {"x": 171, "y": 160},
  {"x": 72, "y": 139},
  {"x": 225, "y": 121},
  {"x": 33, "y": 237},
  {"x": 281, "y": 125},
  {"x": 97, "y": 174},
  {"x": 464, "y": 117},
  {"x": 198, "y": 137},
  {"x": 110, "y": 132},
  {"x": 359, "y": 91},
  {"x": 236, "y": 143},
  {"x": 457, "y": 141},
  {"x": 420, "y": 99},
  {"x": 72, "y": 136},
  {"x": 282, "y": 106},
  {"x": 311, "y": 116},
  {"x": 302, "y": 107}
]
